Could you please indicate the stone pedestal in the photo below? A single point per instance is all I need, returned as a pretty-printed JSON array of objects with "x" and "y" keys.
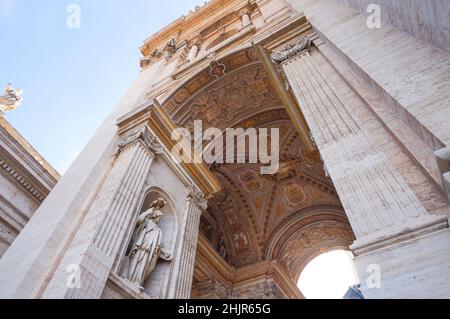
[
  {"x": 264, "y": 280},
  {"x": 391, "y": 225}
]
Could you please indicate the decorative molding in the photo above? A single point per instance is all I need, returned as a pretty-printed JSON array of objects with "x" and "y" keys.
[
  {"x": 291, "y": 50},
  {"x": 212, "y": 288},
  {"x": 198, "y": 198},
  {"x": 124, "y": 288},
  {"x": 143, "y": 134},
  {"x": 12, "y": 132},
  {"x": 286, "y": 97},
  {"x": 26, "y": 186}
]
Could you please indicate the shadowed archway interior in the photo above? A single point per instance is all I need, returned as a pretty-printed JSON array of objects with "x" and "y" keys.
[{"x": 291, "y": 216}]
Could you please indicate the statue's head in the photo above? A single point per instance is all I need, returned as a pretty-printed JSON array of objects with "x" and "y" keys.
[{"x": 159, "y": 203}]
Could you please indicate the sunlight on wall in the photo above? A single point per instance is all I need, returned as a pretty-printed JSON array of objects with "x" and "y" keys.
[{"x": 329, "y": 276}]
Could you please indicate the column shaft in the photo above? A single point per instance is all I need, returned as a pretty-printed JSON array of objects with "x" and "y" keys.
[
  {"x": 401, "y": 250},
  {"x": 184, "y": 267},
  {"x": 98, "y": 239},
  {"x": 378, "y": 202}
]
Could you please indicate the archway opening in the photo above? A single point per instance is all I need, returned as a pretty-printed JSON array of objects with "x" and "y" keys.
[{"x": 328, "y": 276}]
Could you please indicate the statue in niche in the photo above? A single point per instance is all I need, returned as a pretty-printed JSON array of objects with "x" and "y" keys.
[
  {"x": 11, "y": 99},
  {"x": 147, "y": 248}
]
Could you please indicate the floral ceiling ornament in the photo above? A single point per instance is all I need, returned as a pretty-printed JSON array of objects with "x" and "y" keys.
[{"x": 217, "y": 69}]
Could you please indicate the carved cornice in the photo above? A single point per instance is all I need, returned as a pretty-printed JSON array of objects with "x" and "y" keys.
[
  {"x": 22, "y": 181},
  {"x": 144, "y": 135},
  {"x": 14, "y": 135},
  {"x": 291, "y": 50},
  {"x": 198, "y": 198},
  {"x": 188, "y": 25}
]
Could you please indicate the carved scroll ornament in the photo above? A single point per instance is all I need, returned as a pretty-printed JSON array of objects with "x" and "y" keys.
[
  {"x": 291, "y": 50},
  {"x": 198, "y": 198},
  {"x": 143, "y": 134}
]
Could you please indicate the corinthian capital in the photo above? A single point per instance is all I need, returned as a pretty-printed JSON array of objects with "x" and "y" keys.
[
  {"x": 291, "y": 50},
  {"x": 198, "y": 198},
  {"x": 145, "y": 136}
]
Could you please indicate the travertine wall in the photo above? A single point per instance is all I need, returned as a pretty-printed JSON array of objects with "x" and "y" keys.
[
  {"x": 381, "y": 87},
  {"x": 424, "y": 19},
  {"x": 414, "y": 76}
]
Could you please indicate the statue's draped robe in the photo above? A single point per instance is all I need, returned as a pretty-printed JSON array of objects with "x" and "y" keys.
[
  {"x": 7, "y": 104},
  {"x": 10, "y": 100},
  {"x": 146, "y": 249}
]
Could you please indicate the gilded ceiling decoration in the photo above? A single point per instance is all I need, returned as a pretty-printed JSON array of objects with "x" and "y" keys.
[{"x": 241, "y": 220}]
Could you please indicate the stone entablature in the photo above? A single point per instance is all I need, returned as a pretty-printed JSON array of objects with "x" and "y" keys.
[
  {"x": 25, "y": 179},
  {"x": 200, "y": 30}
]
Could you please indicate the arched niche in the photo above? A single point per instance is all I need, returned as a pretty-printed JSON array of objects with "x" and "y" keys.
[{"x": 156, "y": 285}]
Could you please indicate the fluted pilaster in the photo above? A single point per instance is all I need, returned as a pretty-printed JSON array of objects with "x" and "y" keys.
[
  {"x": 99, "y": 237},
  {"x": 378, "y": 202},
  {"x": 184, "y": 266}
]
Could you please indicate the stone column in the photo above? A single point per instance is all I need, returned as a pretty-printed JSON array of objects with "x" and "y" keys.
[
  {"x": 94, "y": 248},
  {"x": 184, "y": 265},
  {"x": 384, "y": 212}
]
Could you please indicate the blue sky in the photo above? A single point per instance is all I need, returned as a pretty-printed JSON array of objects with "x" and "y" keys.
[{"x": 72, "y": 78}]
